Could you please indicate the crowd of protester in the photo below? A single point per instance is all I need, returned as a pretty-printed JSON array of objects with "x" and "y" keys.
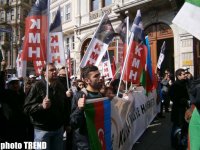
[
  {"x": 50, "y": 107},
  {"x": 28, "y": 113}
]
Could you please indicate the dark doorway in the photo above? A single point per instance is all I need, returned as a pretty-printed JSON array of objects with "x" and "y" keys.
[{"x": 158, "y": 33}]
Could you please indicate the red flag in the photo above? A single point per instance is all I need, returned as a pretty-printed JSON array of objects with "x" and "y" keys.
[
  {"x": 113, "y": 67},
  {"x": 38, "y": 65},
  {"x": 36, "y": 32},
  {"x": 136, "y": 55},
  {"x": 56, "y": 52},
  {"x": 99, "y": 43}
]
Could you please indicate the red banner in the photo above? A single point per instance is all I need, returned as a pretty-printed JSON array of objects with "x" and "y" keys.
[
  {"x": 136, "y": 62},
  {"x": 35, "y": 38},
  {"x": 38, "y": 65}
]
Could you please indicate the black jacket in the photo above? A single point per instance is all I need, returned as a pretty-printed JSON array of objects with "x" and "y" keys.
[
  {"x": 13, "y": 121},
  {"x": 47, "y": 119},
  {"x": 180, "y": 99},
  {"x": 194, "y": 90}
]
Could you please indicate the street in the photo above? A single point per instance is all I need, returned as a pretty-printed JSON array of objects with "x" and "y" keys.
[{"x": 156, "y": 136}]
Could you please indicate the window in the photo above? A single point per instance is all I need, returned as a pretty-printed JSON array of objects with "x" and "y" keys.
[
  {"x": 67, "y": 12},
  {"x": 8, "y": 16},
  {"x": 94, "y": 5},
  {"x": 73, "y": 42},
  {"x": 2, "y": 16},
  {"x": 1, "y": 36},
  {"x": 106, "y": 2},
  {"x": 67, "y": 43},
  {"x": 61, "y": 14},
  {"x": 12, "y": 14},
  {"x": 18, "y": 13}
]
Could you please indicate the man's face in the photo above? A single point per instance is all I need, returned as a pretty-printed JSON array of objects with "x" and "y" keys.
[
  {"x": 62, "y": 73},
  {"x": 80, "y": 85},
  {"x": 93, "y": 80},
  {"x": 182, "y": 76},
  {"x": 52, "y": 72}
]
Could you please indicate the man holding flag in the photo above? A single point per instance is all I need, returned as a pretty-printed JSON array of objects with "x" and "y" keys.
[
  {"x": 46, "y": 101},
  {"x": 91, "y": 76},
  {"x": 48, "y": 113}
]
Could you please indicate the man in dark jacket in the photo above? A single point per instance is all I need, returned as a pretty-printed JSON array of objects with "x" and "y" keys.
[
  {"x": 180, "y": 99},
  {"x": 91, "y": 76},
  {"x": 48, "y": 113},
  {"x": 14, "y": 122}
]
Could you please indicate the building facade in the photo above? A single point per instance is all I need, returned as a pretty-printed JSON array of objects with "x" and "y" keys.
[
  {"x": 12, "y": 18},
  {"x": 80, "y": 19},
  {"x": 182, "y": 49}
]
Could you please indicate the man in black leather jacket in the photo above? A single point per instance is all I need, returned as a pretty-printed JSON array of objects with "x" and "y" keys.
[
  {"x": 48, "y": 113},
  {"x": 91, "y": 76}
]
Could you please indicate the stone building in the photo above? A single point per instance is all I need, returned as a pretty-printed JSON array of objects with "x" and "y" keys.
[
  {"x": 80, "y": 19},
  {"x": 182, "y": 49},
  {"x": 12, "y": 18}
]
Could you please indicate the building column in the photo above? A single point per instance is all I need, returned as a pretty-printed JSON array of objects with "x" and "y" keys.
[{"x": 186, "y": 52}]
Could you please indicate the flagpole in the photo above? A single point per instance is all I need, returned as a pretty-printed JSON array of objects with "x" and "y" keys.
[
  {"x": 127, "y": 35},
  {"x": 48, "y": 45},
  {"x": 125, "y": 62},
  {"x": 66, "y": 73}
]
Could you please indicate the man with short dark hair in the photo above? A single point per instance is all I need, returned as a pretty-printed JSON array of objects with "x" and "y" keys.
[
  {"x": 48, "y": 113},
  {"x": 180, "y": 99},
  {"x": 91, "y": 76}
]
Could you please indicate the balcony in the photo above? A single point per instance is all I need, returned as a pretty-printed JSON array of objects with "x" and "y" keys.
[{"x": 99, "y": 13}]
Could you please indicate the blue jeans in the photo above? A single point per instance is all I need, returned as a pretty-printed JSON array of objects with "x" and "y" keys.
[{"x": 53, "y": 139}]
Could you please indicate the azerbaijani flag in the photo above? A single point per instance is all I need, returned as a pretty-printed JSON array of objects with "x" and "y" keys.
[
  {"x": 188, "y": 17},
  {"x": 98, "y": 119}
]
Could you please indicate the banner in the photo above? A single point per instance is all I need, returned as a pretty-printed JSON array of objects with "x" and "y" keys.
[
  {"x": 99, "y": 43},
  {"x": 131, "y": 117},
  {"x": 107, "y": 71},
  {"x": 38, "y": 65},
  {"x": 56, "y": 52},
  {"x": 36, "y": 30},
  {"x": 119, "y": 123}
]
